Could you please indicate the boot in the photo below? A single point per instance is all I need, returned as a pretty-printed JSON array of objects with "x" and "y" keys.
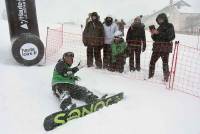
[
  {"x": 67, "y": 106},
  {"x": 166, "y": 76},
  {"x": 90, "y": 98},
  {"x": 66, "y": 101},
  {"x": 132, "y": 69},
  {"x": 151, "y": 72},
  {"x": 138, "y": 68}
]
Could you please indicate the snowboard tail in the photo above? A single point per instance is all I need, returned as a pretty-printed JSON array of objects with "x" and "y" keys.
[{"x": 59, "y": 118}]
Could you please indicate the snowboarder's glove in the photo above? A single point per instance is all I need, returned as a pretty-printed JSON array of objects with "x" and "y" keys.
[
  {"x": 75, "y": 69},
  {"x": 80, "y": 65},
  {"x": 77, "y": 78}
]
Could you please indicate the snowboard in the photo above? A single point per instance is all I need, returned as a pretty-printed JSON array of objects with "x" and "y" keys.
[{"x": 59, "y": 118}]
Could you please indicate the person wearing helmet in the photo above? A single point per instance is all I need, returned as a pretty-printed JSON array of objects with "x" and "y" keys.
[
  {"x": 136, "y": 40},
  {"x": 118, "y": 52},
  {"x": 110, "y": 28},
  {"x": 93, "y": 39},
  {"x": 163, "y": 38},
  {"x": 64, "y": 83}
]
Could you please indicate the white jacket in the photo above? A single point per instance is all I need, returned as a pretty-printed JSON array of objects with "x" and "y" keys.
[{"x": 109, "y": 32}]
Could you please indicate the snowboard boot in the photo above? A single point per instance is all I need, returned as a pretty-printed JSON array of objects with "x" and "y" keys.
[
  {"x": 90, "y": 98},
  {"x": 66, "y": 101},
  {"x": 66, "y": 106}
]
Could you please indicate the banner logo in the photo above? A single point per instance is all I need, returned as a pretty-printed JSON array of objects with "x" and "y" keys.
[{"x": 22, "y": 14}]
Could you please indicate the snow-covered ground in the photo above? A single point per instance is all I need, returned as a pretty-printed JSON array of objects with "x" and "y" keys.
[{"x": 26, "y": 99}]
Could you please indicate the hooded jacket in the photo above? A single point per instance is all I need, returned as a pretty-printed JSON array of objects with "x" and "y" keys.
[
  {"x": 93, "y": 34},
  {"x": 109, "y": 32},
  {"x": 166, "y": 34},
  {"x": 136, "y": 35}
]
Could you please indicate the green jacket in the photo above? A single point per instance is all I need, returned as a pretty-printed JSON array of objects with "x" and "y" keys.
[
  {"x": 118, "y": 49},
  {"x": 64, "y": 74}
]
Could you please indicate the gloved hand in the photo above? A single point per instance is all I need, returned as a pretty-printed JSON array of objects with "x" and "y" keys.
[
  {"x": 81, "y": 65},
  {"x": 75, "y": 69},
  {"x": 77, "y": 78}
]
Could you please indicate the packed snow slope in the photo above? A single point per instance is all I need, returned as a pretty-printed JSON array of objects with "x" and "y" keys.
[{"x": 26, "y": 99}]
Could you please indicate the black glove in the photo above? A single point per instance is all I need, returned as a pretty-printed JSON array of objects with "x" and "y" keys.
[
  {"x": 80, "y": 65},
  {"x": 75, "y": 69},
  {"x": 76, "y": 78}
]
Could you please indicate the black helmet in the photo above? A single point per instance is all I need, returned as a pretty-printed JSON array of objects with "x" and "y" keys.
[{"x": 68, "y": 54}]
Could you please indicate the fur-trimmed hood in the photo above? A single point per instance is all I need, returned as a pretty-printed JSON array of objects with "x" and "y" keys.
[{"x": 162, "y": 16}]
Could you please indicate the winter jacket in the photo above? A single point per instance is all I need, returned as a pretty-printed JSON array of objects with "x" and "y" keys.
[
  {"x": 109, "y": 32},
  {"x": 118, "y": 49},
  {"x": 136, "y": 36},
  {"x": 163, "y": 40},
  {"x": 93, "y": 34},
  {"x": 64, "y": 74}
]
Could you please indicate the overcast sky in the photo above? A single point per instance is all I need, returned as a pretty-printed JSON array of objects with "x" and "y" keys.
[{"x": 77, "y": 10}]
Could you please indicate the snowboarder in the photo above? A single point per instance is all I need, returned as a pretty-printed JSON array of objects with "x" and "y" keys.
[
  {"x": 136, "y": 40},
  {"x": 119, "y": 53},
  {"x": 93, "y": 39},
  {"x": 64, "y": 83},
  {"x": 162, "y": 46},
  {"x": 110, "y": 28}
]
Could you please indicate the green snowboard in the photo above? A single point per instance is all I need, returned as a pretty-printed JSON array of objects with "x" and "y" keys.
[{"x": 59, "y": 118}]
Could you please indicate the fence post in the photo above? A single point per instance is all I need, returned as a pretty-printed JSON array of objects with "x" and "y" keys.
[
  {"x": 45, "y": 54},
  {"x": 171, "y": 70},
  {"x": 175, "y": 64}
]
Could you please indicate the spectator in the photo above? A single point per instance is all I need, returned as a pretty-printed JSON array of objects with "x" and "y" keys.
[
  {"x": 162, "y": 46},
  {"x": 118, "y": 53},
  {"x": 136, "y": 40},
  {"x": 110, "y": 28},
  {"x": 93, "y": 39}
]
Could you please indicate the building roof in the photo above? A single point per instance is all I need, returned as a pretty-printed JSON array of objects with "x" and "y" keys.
[{"x": 186, "y": 9}]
